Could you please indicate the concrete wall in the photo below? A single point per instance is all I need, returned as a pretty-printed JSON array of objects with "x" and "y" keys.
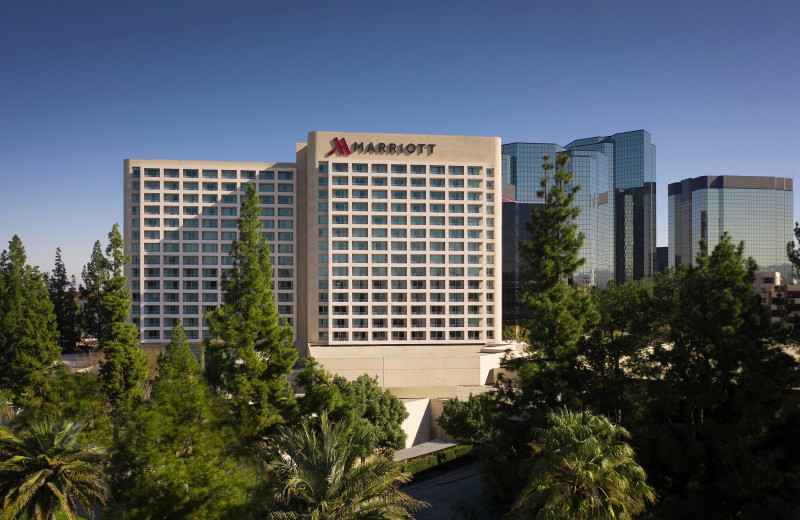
[
  {"x": 422, "y": 366},
  {"x": 418, "y": 424}
]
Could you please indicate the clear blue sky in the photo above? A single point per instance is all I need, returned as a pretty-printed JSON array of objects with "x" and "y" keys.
[{"x": 84, "y": 85}]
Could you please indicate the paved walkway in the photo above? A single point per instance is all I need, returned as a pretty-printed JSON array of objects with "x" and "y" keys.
[
  {"x": 459, "y": 488},
  {"x": 421, "y": 450}
]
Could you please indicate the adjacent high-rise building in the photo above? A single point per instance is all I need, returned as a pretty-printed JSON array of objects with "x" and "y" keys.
[
  {"x": 523, "y": 170},
  {"x": 756, "y": 210},
  {"x": 180, "y": 221},
  {"x": 631, "y": 198},
  {"x": 617, "y": 200},
  {"x": 377, "y": 239}
]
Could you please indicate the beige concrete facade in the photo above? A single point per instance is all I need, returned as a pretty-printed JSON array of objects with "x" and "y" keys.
[
  {"x": 386, "y": 251},
  {"x": 180, "y": 219},
  {"x": 400, "y": 240}
]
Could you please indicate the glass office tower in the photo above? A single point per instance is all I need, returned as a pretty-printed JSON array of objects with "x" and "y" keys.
[
  {"x": 516, "y": 216},
  {"x": 522, "y": 168},
  {"x": 757, "y": 210},
  {"x": 632, "y": 201}
]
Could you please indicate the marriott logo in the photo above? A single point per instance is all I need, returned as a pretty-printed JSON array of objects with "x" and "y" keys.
[{"x": 339, "y": 146}]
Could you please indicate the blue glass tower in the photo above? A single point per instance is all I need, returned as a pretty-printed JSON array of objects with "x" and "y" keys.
[
  {"x": 756, "y": 210},
  {"x": 617, "y": 199},
  {"x": 631, "y": 198}
]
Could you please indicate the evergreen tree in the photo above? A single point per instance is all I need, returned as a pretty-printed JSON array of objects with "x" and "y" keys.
[
  {"x": 551, "y": 373},
  {"x": 177, "y": 457},
  {"x": 710, "y": 439},
  {"x": 123, "y": 368},
  {"x": 29, "y": 342},
  {"x": 793, "y": 252},
  {"x": 251, "y": 353},
  {"x": 94, "y": 274},
  {"x": 616, "y": 352},
  {"x": 63, "y": 295}
]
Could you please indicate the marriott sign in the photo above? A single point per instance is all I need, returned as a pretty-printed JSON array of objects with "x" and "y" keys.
[{"x": 340, "y": 147}]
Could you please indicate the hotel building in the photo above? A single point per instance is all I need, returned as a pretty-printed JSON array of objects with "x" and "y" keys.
[
  {"x": 380, "y": 240},
  {"x": 756, "y": 210}
]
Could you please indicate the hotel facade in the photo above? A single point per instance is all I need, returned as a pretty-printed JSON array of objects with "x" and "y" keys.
[{"x": 379, "y": 240}]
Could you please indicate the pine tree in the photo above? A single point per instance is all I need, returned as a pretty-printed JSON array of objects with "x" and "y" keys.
[
  {"x": 718, "y": 436},
  {"x": 29, "y": 342},
  {"x": 252, "y": 352},
  {"x": 95, "y": 273},
  {"x": 550, "y": 374},
  {"x": 124, "y": 367},
  {"x": 63, "y": 295},
  {"x": 175, "y": 458}
]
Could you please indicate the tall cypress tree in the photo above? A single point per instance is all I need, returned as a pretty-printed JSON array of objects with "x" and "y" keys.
[
  {"x": 251, "y": 353},
  {"x": 124, "y": 367},
  {"x": 551, "y": 374},
  {"x": 63, "y": 295},
  {"x": 29, "y": 341},
  {"x": 94, "y": 274}
]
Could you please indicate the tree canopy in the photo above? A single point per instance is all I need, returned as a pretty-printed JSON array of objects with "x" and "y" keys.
[
  {"x": 123, "y": 368},
  {"x": 29, "y": 340},
  {"x": 178, "y": 456},
  {"x": 251, "y": 352}
]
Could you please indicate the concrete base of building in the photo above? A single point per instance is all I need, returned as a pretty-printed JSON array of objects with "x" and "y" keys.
[{"x": 439, "y": 368}]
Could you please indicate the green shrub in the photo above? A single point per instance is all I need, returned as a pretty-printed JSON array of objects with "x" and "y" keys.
[{"x": 442, "y": 460}]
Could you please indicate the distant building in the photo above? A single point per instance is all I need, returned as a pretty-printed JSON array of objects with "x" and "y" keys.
[
  {"x": 516, "y": 216},
  {"x": 617, "y": 200},
  {"x": 662, "y": 259},
  {"x": 756, "y": 210},
  {"x": 777, "y": 296}
]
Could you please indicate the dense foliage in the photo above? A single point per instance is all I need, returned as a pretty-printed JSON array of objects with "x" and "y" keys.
[
  {"x": 690, "y": 364},
  {"x": 318, "y": 474},
  {"x": 29, "y": 341},
  {"x": 44, "y": 471},
  {"x": 378, "y": 413},
  {"x": 64, "y": 294},
  {"x": 251, "y": 353},
  {"x": 178, "y": 457}
]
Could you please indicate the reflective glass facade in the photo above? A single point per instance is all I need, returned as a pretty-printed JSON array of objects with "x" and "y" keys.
[
  {"x": 757, "y": 210},
  {"x": 617, "y": 200},
  {"x": 522, "y": 168},
  {"x": 632, "y": 200},
  {"x": 515, "y": 217}
]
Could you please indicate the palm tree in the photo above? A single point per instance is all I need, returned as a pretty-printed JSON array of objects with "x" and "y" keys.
[
  {"x": 318, "y": 475},
  {"x": 44, "y": 472},
  {"x": 582, "y": 469}
]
